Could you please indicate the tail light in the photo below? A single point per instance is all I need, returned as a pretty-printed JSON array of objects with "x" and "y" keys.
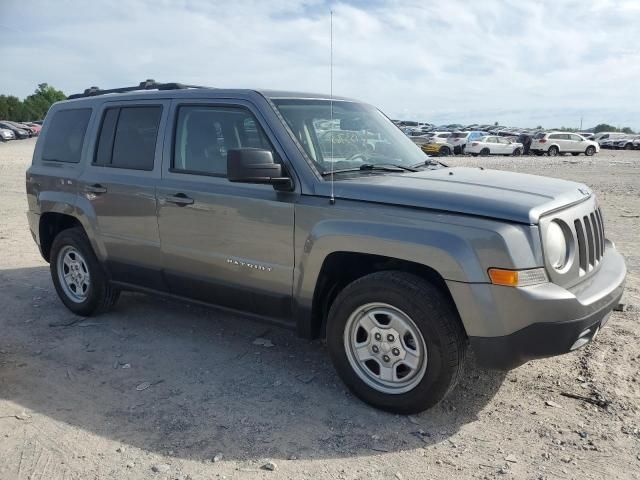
[
  {"x": 542, "y": 140},
  {"x": 473, "y": 144}
]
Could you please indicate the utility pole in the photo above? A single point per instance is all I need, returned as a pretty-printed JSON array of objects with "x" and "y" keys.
[{"x": 580, "y": 123}]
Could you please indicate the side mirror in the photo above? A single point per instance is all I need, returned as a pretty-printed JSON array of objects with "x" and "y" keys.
[{"x": 253, "y": 165}]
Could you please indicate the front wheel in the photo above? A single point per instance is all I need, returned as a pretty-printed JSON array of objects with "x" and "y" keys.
[
  {"x": 445, "y": 151},
  {"x": 590, "y": 151},
  {"x": 517, "y": 152},
  {"x": 396, "y": 341},
  {"x": 77, "y": 275}
]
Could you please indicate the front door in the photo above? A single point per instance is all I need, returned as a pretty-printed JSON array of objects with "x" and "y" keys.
[
  {"x": 119, "y": 184},
  {"x": 225, "y": 243}
]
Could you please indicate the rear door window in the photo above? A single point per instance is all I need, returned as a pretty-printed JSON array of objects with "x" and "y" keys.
[
  {"x": 65, "y": 135},
  {"x": 128, "y": 137}
]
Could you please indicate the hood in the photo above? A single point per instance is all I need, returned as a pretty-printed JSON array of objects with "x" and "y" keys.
[{"x": 497, "y": 194}]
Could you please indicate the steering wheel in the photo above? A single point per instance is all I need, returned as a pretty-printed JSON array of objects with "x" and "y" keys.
[{"x": 363, "y": 155}]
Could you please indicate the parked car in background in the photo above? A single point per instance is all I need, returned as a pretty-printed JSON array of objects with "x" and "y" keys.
[
  {"x": 608, "y": 143},
  {"x": 602, "y": 136},
  {"x": 557, "y": 143},
  {"x": 625, "y": 143},
  {"x": 494, "y": 145},
  {"x": 636, "y": 144},
  {"x": 459, "y": 140},
  {"x": 436, "y": 144},
  {"x": 18, "y": 132},
  {"x": 30, "y": 130},
  {"x": 6, "y": 135},
  {"x": 36, "y": 127}
]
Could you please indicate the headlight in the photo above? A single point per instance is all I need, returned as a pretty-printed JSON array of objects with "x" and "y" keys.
[{"x": 556, "y": 244}]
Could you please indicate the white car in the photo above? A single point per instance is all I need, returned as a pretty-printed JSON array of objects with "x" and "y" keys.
[
  {"x": 494, "y": 145},
  {"x": 558, "y": 143},
  {"x": 460, "y": 140},
  {"x": 6, "y": 135}
]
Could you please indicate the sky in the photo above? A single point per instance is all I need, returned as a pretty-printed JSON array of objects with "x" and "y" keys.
[{"x": 516, "y": 62}]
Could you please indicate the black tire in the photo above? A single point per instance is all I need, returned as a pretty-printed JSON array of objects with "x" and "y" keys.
[
  {"x": 553, "y": 151},
  {"x": 100, "y": 295},
  {"x": 474, "y": 154},
  {"x": 628, "y": 146},
  {"x": 433, "y": 314},
  {"x": 590, "y": 151},
  {"x": 575, "y": 154},
  {"x": 517, "y": 152},
  {"x": 445, "y": 151},
  {"x": 485, "y": 152}
]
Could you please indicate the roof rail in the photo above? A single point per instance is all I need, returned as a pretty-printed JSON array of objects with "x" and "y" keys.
[{"x": 146, "y": 85}]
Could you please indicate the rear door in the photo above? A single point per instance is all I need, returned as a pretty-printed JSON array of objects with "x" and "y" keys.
[
  {"x": 225, "y": 243},
  {"x": 494, "y": 146},
  {"x": 578, "y": 144},
  {"x": 120, "y": 185}
]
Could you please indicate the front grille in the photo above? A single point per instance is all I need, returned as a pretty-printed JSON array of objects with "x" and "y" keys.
[{"x": 590, "y": 236}]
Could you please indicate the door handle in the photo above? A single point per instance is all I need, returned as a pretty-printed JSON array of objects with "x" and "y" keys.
[
  {"x": 95, "y": 188},
  {"x": 179, "y": 199}
]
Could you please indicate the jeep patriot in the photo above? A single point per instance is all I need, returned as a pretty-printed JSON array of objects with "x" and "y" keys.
[{"x": 318, "y": 214}]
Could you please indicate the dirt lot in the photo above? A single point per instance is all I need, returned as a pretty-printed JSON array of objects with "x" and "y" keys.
[{"x": 220, "y": 406}]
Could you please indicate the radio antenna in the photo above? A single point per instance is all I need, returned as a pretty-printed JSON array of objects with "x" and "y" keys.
[{"x": 332, "y": 200}]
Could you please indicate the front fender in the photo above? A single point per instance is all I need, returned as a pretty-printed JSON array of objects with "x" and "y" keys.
[{"x": 460, "y": 248}]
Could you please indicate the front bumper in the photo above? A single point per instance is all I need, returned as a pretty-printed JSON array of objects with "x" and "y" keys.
[{"x": 509, "y": 326}]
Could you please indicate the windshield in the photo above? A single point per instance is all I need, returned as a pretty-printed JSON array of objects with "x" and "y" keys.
[{"x": 358, "y": 134}]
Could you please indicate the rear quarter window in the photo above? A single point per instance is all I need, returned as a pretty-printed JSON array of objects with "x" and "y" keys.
[{"x": 65, "y": 135}]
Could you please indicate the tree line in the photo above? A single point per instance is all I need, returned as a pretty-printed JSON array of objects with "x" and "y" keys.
[{"x": 32, "y": 108}]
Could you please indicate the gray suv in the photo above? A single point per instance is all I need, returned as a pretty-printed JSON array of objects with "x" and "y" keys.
[{"x": 318, "y": 214}]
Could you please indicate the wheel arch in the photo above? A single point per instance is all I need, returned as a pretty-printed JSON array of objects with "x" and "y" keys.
[
  {"x": 50, "y": 226},
  {"x": 343, "y": 267}
]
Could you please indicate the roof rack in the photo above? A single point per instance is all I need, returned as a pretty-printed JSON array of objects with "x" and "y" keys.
[{"x": 146, "y": 85}]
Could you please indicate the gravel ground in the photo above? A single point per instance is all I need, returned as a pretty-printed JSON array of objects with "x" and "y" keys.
[{"x": 73, "y": 403}]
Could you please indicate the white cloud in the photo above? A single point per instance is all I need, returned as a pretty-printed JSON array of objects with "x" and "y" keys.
[{"x": 525, "y": 63}]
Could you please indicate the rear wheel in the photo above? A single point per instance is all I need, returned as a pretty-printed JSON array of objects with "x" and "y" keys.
[
  {"x": 396, "y": 341},
  {"x": 590, "y": 151},
  {"x": 484, "y": 152},
  {"x": 553, "y": 151},
  {"x": 78, "y": 277},
  {"x": 445, "y": 151}
]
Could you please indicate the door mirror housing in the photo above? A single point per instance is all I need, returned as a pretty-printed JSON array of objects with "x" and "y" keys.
[{"x": 254, "y": 165}]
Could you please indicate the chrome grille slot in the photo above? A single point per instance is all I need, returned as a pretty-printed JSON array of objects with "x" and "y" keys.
[
  {"x": 582, "y": 245},
  {"x": 596, "y": 234},
  {"x": 601, "y": 225},
  {"x": 590, "y": 245}
]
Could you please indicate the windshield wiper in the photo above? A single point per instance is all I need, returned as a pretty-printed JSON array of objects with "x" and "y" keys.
[
  {"x": 367, "y": 167},
  {"x": 429, "y": 162}
]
